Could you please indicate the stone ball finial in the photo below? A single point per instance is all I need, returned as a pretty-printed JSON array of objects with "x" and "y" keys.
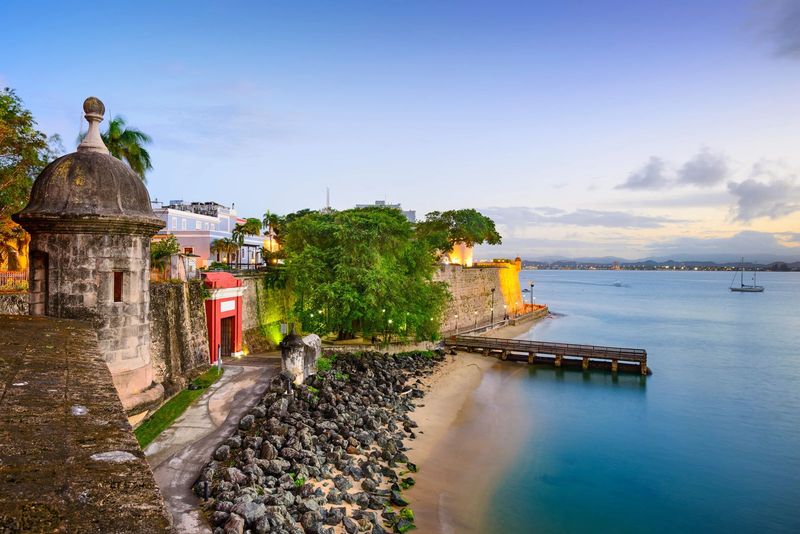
[
  {"x": 94, "y": 106},
  {"x": 94, "y": 109}
]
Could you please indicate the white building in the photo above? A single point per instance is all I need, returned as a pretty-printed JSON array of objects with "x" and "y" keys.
[
  {"x": 198, "y": 224},
  {"x": 411, "y": 215}
]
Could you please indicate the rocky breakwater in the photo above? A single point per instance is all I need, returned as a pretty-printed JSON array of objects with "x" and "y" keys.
[{"x": 328, "y": 456}]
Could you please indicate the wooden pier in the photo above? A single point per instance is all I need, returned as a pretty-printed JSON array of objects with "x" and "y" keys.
[{"x": 557, "y": 354}]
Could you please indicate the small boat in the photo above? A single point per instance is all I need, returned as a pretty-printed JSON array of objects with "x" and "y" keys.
[{"x": 742, "y": 287}]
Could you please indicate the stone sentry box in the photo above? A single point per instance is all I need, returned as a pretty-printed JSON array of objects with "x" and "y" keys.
[
  {"x": 91, "y": 221},
  {"x": 299, "y": 355}
]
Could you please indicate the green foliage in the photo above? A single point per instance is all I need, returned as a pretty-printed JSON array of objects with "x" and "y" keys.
[
  {"x": 442, "y": 230},
  {"x": 162, "y": 250},
  {"x": 325, "y": 363},
  {"x": 173, "y": 408},
  {"x": 298, "y": 481},
  {"x": 24, "y": 152},
  {"x": 251, "y": 226},
  {"x": 14, "y": 286},
  {"x": 217, "y": 266},
  {"x": 362, "y": 271},
  {"x": 274, "y": 304},
  {"x": 407, "y": 514},
  {"x": 341, "y": 377}
]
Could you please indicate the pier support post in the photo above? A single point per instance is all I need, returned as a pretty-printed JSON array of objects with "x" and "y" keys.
[
  {"x": 558, "y": 360},
  {"x": 504, "y": 355},
  {"x": 585, "y": 363},
  {"x": 643, "y": 368},
  {"x": 531, "y": 357},
  {"x": 614, "y": 366}
]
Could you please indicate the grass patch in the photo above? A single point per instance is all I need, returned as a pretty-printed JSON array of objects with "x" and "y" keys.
[
  {"x": 325, "y": 363},
  {"x": 173, "y": 408}
]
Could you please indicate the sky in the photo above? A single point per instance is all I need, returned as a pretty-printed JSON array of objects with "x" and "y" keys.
[{"x": 583, "y": 128}]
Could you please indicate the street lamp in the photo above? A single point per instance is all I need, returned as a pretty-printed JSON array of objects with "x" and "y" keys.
[
  {"x": 492, "y": 319},
  {"x": 505, "y": 312},
  {"x": 456, "y": 323},
  {"x": 531, "y": 292},
  {"x": 476, "y": 318}
]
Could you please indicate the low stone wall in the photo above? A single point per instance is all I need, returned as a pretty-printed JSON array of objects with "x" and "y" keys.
[
  {"x": 14, "y": 303},
  {"x": 178, "y": 333},
  {"x": 392, "y": 348},
  {"x": 69, "y": 461}
]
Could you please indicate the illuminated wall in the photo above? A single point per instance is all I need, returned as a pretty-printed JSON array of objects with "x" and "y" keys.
[{"x": 460, "y": 255}]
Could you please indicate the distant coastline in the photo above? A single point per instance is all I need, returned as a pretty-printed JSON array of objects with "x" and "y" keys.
[{"x": 651, "y": 265}]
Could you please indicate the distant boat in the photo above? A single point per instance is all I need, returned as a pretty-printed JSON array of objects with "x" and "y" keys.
[{"x": 742, "y": 287}]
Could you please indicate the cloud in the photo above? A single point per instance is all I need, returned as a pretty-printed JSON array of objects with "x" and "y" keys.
[
  {"x": 520, "y": 217},
  {"x": 651, "y": 176},
  {"x": 776, "y": 197},
  {"x": 783, "y": 28},
  {"x": 706, "y": 169},
  {"x": 760, "y": 246}
]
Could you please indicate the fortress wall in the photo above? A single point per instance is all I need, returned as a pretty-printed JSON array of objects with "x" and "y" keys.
[
  {"x": 178, "y": 333},
  {"x": 14, "y": 303},
  {"x": 471, "y": 289}
]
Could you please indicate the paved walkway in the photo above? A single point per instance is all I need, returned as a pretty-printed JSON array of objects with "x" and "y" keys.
[{"x": 178, "y": 454}]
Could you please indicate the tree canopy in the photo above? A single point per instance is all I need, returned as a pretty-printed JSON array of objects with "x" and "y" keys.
[
  {"x": 24, "y": 152},
  {"x": 444, "y": 229},
  {"x": 362, "y": 271}
]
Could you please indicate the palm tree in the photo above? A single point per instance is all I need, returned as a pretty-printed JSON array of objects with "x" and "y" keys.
[
  {"x": 251, "y": 226},
  {"x": 272, "y": 223},
  {"x": 127, "y": 144},
  {"x": 224, "y": 246}
]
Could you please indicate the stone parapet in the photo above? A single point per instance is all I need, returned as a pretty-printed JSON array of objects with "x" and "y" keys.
[{"x": 69, "y": 461}]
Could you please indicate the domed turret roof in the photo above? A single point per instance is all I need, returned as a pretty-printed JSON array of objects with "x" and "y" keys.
[{"x": 90, "y": 189}]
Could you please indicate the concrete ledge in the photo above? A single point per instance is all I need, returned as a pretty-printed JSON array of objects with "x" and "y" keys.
[{"x": 69, "y": 461}]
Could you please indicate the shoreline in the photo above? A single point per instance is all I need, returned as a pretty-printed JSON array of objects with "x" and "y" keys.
[{"x": 470, "y": 431}]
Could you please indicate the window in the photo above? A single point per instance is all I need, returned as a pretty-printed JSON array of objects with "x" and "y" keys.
[
  {"x": 188, "y": 250},
  {"x": 205, "y": 226},
  {"x": 174, "y": 223},
  {"x": 117, "y": 286},
  {"x": 183, "y": 223}
]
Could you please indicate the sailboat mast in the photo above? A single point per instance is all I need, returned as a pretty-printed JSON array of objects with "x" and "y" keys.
[{"x": 741, "y": 280}]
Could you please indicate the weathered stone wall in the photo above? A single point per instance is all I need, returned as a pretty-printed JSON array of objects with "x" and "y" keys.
[
  {"x": 13, "y": 303},
  {"x": 69, "y": 461},
  {"x": 471, "y": 290},
  {"x": 178, "y": 333},
  {"x": 263, "y": 310}
]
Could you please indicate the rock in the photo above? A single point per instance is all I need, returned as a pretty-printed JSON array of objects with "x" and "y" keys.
[
  {"x": 308, "y": 505},
  {"x": 219, "y": 518},
  {"x": 222, "y": 453},
  {"x": 350, "y": 526},
  {"x": 234, "y": 525},
  {"x": 250, "y": 511},
  {"x": 368, "y": 485},
  {"x": 247, "y": 422},
  {"x": 311, "y": 522},
  {"x": 341, "y": 483},
  {"x": 398, "y": 500},
  {"x": 335, "y": 516},
  {"x": 268, "y": 451},
  {"x": 404, "y": 525},
  {"x": 334, "y": 496},
  {"x": 234, "y": 442},
  {"x": 231, "y": 474}
]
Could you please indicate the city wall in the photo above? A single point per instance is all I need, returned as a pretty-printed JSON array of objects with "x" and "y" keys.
[
  {"x": 178, "y": 333},
  {"x": 14, "y": 303},
  {"x": 471, "y": 290}
]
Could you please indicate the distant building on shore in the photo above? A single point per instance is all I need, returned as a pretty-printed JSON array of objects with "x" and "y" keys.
[
  {"x": 198, "y": 224},
  {"x": 411, "y": 215}
]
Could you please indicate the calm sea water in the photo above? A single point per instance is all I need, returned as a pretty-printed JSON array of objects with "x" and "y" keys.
[{"x": 709, "y": 443}]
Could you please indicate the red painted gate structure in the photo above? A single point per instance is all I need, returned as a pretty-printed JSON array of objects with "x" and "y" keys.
[{"x": 224, "y": 314}]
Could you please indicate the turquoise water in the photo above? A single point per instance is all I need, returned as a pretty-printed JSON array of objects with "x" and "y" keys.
[{"x": 709, "y": 443}]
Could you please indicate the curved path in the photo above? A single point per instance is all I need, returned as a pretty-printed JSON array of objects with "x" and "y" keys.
[{"x": 177, "y": 455}]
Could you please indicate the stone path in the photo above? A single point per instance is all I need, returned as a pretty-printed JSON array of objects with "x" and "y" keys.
[{"x": 178, "y": 454}]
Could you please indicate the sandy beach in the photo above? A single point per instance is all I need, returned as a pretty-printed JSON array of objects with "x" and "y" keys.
[{"x": 470, "y": 430}]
